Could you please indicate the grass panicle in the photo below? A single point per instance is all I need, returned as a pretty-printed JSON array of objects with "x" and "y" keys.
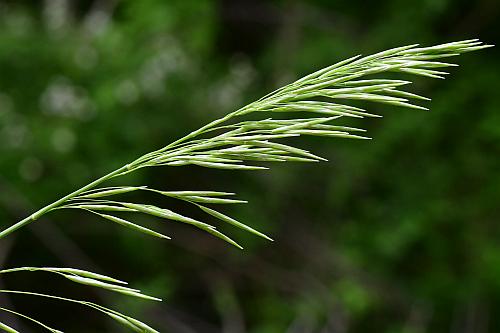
[
  {"x": 311, "y": 106},
  {"x": 81, "y": 277}
]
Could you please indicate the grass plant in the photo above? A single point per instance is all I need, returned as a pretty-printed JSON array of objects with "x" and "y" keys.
[{"x": 246, "y": 139}]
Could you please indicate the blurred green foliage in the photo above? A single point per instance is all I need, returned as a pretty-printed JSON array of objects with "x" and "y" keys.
[{"x": 400, "y": 234}]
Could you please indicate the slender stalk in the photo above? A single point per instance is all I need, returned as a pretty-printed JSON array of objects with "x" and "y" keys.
[
  {"x": 33, "y": 217},
  {"x": 53, "y": 330}
]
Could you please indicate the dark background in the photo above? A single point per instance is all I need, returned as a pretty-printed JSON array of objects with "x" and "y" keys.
[{"x": 398, "y": 234}]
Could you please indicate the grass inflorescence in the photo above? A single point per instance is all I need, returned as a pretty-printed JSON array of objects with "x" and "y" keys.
[{"x": 310, "y": 106}]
